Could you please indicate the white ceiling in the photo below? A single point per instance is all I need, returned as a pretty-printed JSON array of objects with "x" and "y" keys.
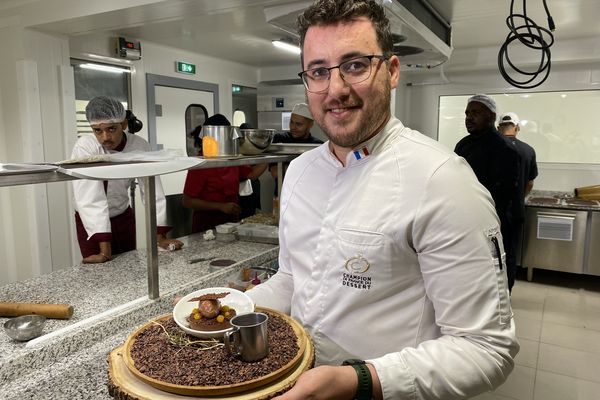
[{"x": 236, "y": 30}]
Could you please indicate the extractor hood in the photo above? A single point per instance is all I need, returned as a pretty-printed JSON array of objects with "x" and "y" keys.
[{"x": 421, "y": 36}]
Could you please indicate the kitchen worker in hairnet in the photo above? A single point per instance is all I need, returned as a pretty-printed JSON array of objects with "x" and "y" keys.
[
  {"x": 104, "y": 219},
  {"x": 389, "y": 251}
]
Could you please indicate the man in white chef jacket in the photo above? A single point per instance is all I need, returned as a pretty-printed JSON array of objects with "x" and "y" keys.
[
  {"x": 390, "y": 251},
  {"x": 105, "y": 222}
]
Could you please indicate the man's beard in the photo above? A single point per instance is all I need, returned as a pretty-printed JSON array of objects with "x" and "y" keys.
[{"x": 374, "y": 117}]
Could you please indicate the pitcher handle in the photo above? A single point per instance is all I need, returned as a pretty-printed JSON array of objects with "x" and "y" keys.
[
  {"x": 232, "y": 341},
  {"x": 236, "y": 132}
]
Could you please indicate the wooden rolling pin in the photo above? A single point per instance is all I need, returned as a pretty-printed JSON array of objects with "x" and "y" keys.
[
  {"x": 587, "y": 190},
  {"x": 57, "y": 311}
]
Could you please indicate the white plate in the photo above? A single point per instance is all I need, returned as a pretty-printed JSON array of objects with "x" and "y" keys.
[{"x": 239, "y": 301}]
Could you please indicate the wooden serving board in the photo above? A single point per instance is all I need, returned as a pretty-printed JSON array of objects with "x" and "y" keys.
[{"x": 126, "y": 382}]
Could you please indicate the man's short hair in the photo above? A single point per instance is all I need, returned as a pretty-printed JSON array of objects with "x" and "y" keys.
[
  {"x": 327, "y": 12},
  {"x": 217, "y": 120}
]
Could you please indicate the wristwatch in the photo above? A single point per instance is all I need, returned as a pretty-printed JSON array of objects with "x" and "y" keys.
[{"x": 365, "y": 381}]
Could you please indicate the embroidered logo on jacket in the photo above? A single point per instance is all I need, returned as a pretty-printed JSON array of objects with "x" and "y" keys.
[{"x": 356, "y": 266}]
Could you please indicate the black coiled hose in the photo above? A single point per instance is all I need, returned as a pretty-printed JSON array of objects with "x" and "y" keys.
[{"x": 531, "y": 35}]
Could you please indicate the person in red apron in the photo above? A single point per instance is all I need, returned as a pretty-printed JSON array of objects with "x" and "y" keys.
[
  {"x": 213, "y": 194},
  {"x": 104, "y": 219}
]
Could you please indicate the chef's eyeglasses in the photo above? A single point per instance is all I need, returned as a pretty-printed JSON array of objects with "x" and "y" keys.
[{"x": 355, "y": 70}]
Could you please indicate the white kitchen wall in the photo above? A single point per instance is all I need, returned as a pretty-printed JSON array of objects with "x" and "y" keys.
[{"x": 32, "y": 130}]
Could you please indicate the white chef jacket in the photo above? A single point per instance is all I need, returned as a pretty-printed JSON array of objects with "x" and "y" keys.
[
  {"x": 95, "y": 206},
  {"x": 396, "y": 259}
]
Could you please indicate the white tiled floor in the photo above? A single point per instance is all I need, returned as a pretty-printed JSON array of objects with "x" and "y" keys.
[{"x": 558, "y": 325}]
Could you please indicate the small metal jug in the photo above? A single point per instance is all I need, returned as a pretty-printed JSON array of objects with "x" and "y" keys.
[{"x": 220, "y": 141}]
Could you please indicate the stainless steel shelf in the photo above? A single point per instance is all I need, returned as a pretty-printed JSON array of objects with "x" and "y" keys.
[
  {"x": 55, "y": 176},
  {"x": 36, "y": 177},
  {"x": 245, "y": 160}
]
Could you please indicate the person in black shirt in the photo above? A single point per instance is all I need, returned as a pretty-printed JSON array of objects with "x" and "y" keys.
[
  {"x": 301, "y": 121},
  {"x": 497, "y": 166},
  {"x": 509, "y": 126}
]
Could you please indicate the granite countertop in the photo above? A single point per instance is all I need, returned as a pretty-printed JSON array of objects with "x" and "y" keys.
[
  {"x": 565, "y": 200},
  {"x": 110, "y": 300}
]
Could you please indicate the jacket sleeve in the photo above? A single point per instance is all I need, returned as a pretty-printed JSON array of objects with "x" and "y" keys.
[
  {"x": 90, "y": 197},
  {"x": 455, "y": 235},
  {"x": 276, "y": 293}
]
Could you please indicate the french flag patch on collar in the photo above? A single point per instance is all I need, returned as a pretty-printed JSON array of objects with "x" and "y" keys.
[{"x": 361, "y": 153}]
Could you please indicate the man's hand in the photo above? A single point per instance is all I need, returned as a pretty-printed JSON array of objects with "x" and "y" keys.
[
  {"x": 324, "y": 382},
  {"x": 104, "y": 255},
  {"x": 231, "y": 208},
  {"x": 168, "y": 244},
  {"x": 96, "y": 258}
]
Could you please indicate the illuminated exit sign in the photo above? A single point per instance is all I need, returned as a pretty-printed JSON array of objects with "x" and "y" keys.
[{"x": 185, "y": 68}]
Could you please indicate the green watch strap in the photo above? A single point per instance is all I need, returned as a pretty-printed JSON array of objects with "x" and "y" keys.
[{"x": 364, "y": 390}]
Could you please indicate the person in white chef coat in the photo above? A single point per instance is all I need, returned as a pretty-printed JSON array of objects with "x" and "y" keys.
[
  {"x": 104, "y": 219},
  {"x": 390, "y": 249}
]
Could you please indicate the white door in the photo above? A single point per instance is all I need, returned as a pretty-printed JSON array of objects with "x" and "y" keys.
[{"x": 170, "y": 125}]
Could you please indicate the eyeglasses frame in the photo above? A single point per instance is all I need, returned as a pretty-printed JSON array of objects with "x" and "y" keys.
[{"x": 381, "y": 57}]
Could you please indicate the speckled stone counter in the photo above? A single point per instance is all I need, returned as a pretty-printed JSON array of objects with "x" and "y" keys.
[
  {"x": 566, "y": 200},
  {"x": 110, "y": 301}
]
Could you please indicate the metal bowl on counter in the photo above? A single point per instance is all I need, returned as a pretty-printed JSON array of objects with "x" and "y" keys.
[
  {"x": 255, "y": 141},
  {"x": 25, "y": 327}
]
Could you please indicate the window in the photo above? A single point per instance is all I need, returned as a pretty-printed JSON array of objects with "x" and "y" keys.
[
  {"x": 97, "y": 79},
  {"x": 195, "y": 115},
  {"x": 562, "y": 127}
]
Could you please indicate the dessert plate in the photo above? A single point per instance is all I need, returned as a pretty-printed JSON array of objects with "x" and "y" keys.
[{"x": 237, "y": 300}]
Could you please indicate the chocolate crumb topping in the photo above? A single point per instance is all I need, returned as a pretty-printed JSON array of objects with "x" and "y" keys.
[{"x": 155, "y": 356}]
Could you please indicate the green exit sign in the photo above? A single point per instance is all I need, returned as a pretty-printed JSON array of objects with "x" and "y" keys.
[{"x": 185, "y": 68}]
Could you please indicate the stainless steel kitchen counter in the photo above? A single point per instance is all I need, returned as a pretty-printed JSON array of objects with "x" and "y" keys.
[
  {"x": 560, "y": 233},
  {"x": 554, "y": 199},
  {"x": 69, "y": 360}
]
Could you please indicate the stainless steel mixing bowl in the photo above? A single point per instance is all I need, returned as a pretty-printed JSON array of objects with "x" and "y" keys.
[
  {"x": 255, "y": 141},
  {"x": 25, "y": 327}
]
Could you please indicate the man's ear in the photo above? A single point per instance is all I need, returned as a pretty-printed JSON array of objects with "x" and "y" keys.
[
  {"x": 124, "y": 124},
  {"x": 394, "y": 69}
]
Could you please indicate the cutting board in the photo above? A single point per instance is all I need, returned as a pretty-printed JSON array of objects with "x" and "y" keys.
[{"x": 126, "y": 382}]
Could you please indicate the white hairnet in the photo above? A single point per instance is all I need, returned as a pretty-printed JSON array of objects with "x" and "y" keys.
[
  {"x": 104, "y": 110},
  {"x": 485, "y": 100},
  {"x": 302, "y": 110}
]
